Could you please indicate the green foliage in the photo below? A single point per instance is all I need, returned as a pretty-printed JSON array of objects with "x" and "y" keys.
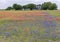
[
  {"x": 9, "y": 8},
  {"x": 31, "y": 6},
  {"x": 25, "y": 7},
  {"x": 17, "y": 7},
  {"x": 48, "y": 6},
  {"x": 52, "y": 7},
  {"x": 45, "y": 5}
]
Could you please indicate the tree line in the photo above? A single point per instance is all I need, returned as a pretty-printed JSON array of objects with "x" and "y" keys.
[{"x": 31, "y": 6}]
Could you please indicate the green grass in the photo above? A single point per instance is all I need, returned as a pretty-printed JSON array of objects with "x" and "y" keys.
[{"x": 53, "y": 12}]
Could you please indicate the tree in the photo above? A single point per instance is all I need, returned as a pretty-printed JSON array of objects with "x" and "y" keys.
[
  {"x": 17, "y": 7},
  {"x": 48, "y": 5},
  {"x": 25, "y": 7},
  {"x": 52, "y": 7},
  {"x": 45, "y": 5},
  {"x": 31, "y": 6},
  {"x": 9, "y": 8}
]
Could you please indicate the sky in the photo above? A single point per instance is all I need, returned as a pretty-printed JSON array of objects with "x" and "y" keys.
[{"x": 5, "y": 3}]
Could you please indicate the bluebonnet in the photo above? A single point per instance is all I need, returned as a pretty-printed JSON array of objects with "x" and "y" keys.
[
  {"x": 1, "y": 33},
  {"x": 7, "y": 34},
  {"x": 53, "y": 35},
  {"x": 48, "y": 17},
  {"x": 46, "y": 24}
]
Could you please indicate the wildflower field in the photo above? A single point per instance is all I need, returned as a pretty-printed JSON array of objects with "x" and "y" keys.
[{"x": 30, "y": 26}]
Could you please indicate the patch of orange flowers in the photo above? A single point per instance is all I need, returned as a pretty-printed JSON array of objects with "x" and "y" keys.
[
  {"x": 58, "y": 18},
  {"x": 20, "y": 15}
]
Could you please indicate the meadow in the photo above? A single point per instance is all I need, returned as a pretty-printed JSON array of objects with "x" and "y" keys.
[{"x": 30, "y": 26}]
